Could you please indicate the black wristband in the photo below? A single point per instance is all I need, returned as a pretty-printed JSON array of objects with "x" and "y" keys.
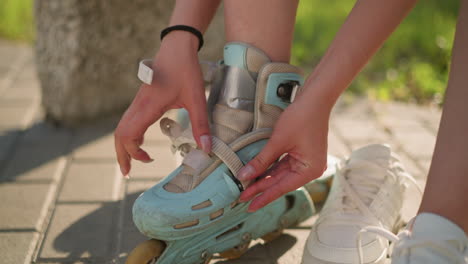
[{"x": 190, "y": 29}]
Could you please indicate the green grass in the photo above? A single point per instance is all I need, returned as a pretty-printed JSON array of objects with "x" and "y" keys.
[
  {"x": 411, "y": 66},
  {"x": 16, "y": 19}
]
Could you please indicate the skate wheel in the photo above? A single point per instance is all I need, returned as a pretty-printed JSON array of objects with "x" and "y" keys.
[
  {"x": 236, "y": 252},
  {"x": 145, "y": 252},
  {"x": 318, "y": 192},
  {"x": 329, "y": 182},
  {"x": 267, "y": 238}
]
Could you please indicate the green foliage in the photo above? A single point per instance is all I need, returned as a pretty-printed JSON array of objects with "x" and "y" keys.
[
  {"x": 16, "y": 19},
  {"x": 411, "y": 66}
]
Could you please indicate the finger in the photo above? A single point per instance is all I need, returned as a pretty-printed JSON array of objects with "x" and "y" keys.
[
  {"x": 272, "y": 193},
  {"x": 137, "y": 153},
  {"x": 134, "y": 128},
  {"x": 122, "y": 158},
  {"x": 199, "y": 120},
  {"x": 269, "y": 154},
  {"x": 257, "y": 188}
]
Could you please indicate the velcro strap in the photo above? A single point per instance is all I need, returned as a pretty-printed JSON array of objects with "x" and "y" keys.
[{"x": 227, "y": 155}]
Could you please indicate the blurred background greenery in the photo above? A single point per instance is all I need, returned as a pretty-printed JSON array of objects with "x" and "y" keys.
[
  {"x": 16, "y": 20},
  {"x": 411, "y": 66}
]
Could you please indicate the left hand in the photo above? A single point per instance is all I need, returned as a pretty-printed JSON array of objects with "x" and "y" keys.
[{"x": 301, "y": 132}]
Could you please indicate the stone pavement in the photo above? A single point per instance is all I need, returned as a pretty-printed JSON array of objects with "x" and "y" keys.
[{"x": 63, "y": 200}]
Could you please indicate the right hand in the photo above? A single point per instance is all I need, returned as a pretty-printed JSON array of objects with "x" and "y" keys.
[{"x": 177, "y": 83}]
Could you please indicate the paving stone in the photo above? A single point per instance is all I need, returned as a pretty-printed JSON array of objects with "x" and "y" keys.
[
  {"x": 257, "y": 253},
  {"x": 94, "y": 181},
  {"x": 397, "y": 116},
  {"x": 288, "y": 248},
  {"x": 239, "y": 261},
  {"x": 95, "y": 140},
  {"x": 7, "y": 139},
  {"x": 406, "y": 114},
  {"x": 134, "y": 189},
  {"x": 11, "y": 52},
  {"x": 17, "y": 248},
  {"x": 23, "y": 89},
  {"x": 38, "y": 156},
  {"x": 36, "y": 170},
  {"x": 80, "y": 231},
  {"x": 43, "y": 133},
  {"x": 419, "y": 144},
  {"x": 410, "y": 165},
  {"x": 359, "y": 132},
  {"x": 336, "y": 146},
  {"x": 100, "y": 148},
  {"x": 24, "y": 206},
  {"x": 131, "y": 237},
  {"x": 14, "y": 117},
  {"x": 163, "y": 164}
]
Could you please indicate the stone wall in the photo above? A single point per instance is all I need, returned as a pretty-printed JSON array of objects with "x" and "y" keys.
[{"x": 87, "y": 52}]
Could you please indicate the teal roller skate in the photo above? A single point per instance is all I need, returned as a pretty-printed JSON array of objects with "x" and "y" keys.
[{"x": 194, "y": 212}]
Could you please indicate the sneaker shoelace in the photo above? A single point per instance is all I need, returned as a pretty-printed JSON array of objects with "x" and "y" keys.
[
  {"x": 359, "y": 190},
  {"x": 403, "y": 241}
]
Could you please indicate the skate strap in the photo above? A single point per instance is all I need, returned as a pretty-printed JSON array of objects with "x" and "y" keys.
[
  {"x": 197, "y": 159},
  {"x": 226, "y": 154}
]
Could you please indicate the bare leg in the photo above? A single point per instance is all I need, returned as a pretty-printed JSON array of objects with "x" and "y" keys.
[
  {"x": 446, "y": 191},
  {"x": 265, "y": 24}
]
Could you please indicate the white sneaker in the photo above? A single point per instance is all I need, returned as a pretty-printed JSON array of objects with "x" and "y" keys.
[
  {"x": 432, "y": 240},
  {"x": 367, "y": 191}
]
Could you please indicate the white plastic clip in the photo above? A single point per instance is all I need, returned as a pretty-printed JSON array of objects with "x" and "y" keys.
[
  {"x": 294, "y": 92},
  {"x": 145, "y": 72}
]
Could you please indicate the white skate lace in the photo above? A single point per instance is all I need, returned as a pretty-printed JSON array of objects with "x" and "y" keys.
[
  {"x": 404, "y": 241},
  {"x": 359, "y": 191}
]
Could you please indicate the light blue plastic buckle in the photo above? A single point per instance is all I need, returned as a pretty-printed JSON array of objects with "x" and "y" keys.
[{"x": 275, "y": 81}]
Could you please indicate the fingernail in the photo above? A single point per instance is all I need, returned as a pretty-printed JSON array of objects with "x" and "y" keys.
[
  {"x": 123, "y": 172},
  {"x": 245, "y": 173},
  {"x": 148, "y": 161},
  {"x": 127, "y": 177},
  {"x": 241, "y": 200},
  {"x": 205, "y": 143},
  {"x": 251, "y": 210}
]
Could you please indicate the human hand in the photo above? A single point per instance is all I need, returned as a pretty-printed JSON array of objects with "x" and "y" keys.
[
  {"x": 301, "y": 132},
  {"x": 177, "y": 83}
]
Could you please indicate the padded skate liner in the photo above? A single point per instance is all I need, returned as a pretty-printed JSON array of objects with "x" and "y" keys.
[{"x": 266, "y": 115}]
